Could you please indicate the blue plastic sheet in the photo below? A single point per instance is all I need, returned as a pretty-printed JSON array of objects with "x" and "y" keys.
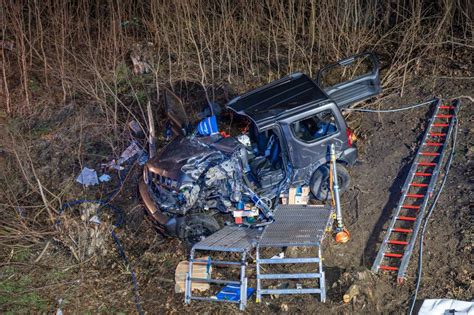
[
  {"x": 231, "y": 292},
  {"x": 208, "y": 126}
]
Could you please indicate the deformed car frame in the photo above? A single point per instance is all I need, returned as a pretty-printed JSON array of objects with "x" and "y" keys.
[{"x": 294, "y": 119}]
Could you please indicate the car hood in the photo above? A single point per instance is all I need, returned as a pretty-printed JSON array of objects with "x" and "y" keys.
[
  {"x": 181, "y": 151},
  {"x": 174, "y": 155}
]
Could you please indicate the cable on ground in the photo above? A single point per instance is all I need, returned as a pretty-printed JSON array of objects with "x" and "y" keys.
[
  {"x": 432, "y": 207},
  {"x": 428, "y": 215},
  {"x": 368, "y": 110},
  {"x": 119, "y": 222}
]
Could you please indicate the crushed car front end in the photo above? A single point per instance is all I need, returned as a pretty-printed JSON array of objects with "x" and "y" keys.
[{"x": 190, "y": 176}]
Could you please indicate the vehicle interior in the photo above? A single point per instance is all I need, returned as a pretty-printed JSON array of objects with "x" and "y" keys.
[
  {"x": 315, "y": 127},
  {"x": 266, "y": 162}
]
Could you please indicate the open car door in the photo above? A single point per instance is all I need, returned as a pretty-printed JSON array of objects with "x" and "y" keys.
[
  {"x": 175, "y": 112},
  {"x": 351, "y": 80}
]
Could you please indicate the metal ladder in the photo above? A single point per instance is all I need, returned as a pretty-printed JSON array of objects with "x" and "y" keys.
[
  {"x": 399, "y": 240},
  {"x": 317, "y": 259}
]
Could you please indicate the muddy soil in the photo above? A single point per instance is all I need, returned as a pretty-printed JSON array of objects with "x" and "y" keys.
[
  {"x": 386, "y": 148},
  {"x": 387, "y": 143}
]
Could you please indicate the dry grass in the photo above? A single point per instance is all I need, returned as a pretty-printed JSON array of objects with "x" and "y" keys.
[
  {"x": 57, "y": 53},
  {"x": 81, "y": 47}
]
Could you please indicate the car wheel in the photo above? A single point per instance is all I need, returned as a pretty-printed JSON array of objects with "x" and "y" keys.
[
  {"x": 197, "y": 227},
  {"x": 319, "y": 184}
]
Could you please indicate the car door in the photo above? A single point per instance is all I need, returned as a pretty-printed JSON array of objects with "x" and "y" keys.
[
  {"x": 308, "y": 134},
  {"x": 351, "y": 80},
  {"x": 176, "y": 113}
]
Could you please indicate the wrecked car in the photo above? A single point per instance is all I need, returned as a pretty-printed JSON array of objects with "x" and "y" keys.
[{"x": 292, "y": 122}]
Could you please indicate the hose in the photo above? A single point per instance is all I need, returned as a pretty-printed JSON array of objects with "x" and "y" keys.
[
  {"x": 367, "y": 110},
  {"x": 432, "y": 207}
]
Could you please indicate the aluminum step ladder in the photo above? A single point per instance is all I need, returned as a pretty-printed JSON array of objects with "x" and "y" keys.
[
  {"x": 295, "y": 225},
  {"x": 230, "y": 239},
  {"x": 397, "y": 246}
]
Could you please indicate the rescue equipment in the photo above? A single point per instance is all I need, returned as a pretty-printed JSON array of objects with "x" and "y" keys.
[{"x": 397, "y": 246}]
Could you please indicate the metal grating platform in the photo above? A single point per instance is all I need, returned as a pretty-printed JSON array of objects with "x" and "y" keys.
[
  {"x": 230, "y": 239},
  {"x": 294, "y": 225},
  {"x": 297, "y": 225}
]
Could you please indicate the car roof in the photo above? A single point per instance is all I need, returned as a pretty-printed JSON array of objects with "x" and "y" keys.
[{"x": 266, "y": 104}]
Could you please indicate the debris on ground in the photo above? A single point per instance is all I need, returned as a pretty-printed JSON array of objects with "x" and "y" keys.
[
  {"x": 88, "y": 177},
  {"x": 87, "y": 237},
  {"x": 143, "y": 158},
  {"x": 445, "y": 306},
  {"x": 298, "y": 195},
  {"x": 136, "y": 129},
  {"x": 88, "y": 210},
  {"x": 200, "y": 270},
  {"x": 95, "y": 219},
  {"x": 140, "y": 55},
  {"x": 132, "y": 150},
  {"x": 360, "y": 286},
  {"x": 59, "y": 311},
  {"x": 129, "y": 152},
  {"x": 280, "y": 286},
  {"x": 104, "y": 178}
]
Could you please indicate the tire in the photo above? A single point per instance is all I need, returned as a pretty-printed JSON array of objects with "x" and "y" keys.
[
  {"x": 319, "y": 184},
  {"x": 197, "y": 227}
]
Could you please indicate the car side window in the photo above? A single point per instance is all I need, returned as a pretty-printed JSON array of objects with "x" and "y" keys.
[{"x": 315, "y": 127}]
